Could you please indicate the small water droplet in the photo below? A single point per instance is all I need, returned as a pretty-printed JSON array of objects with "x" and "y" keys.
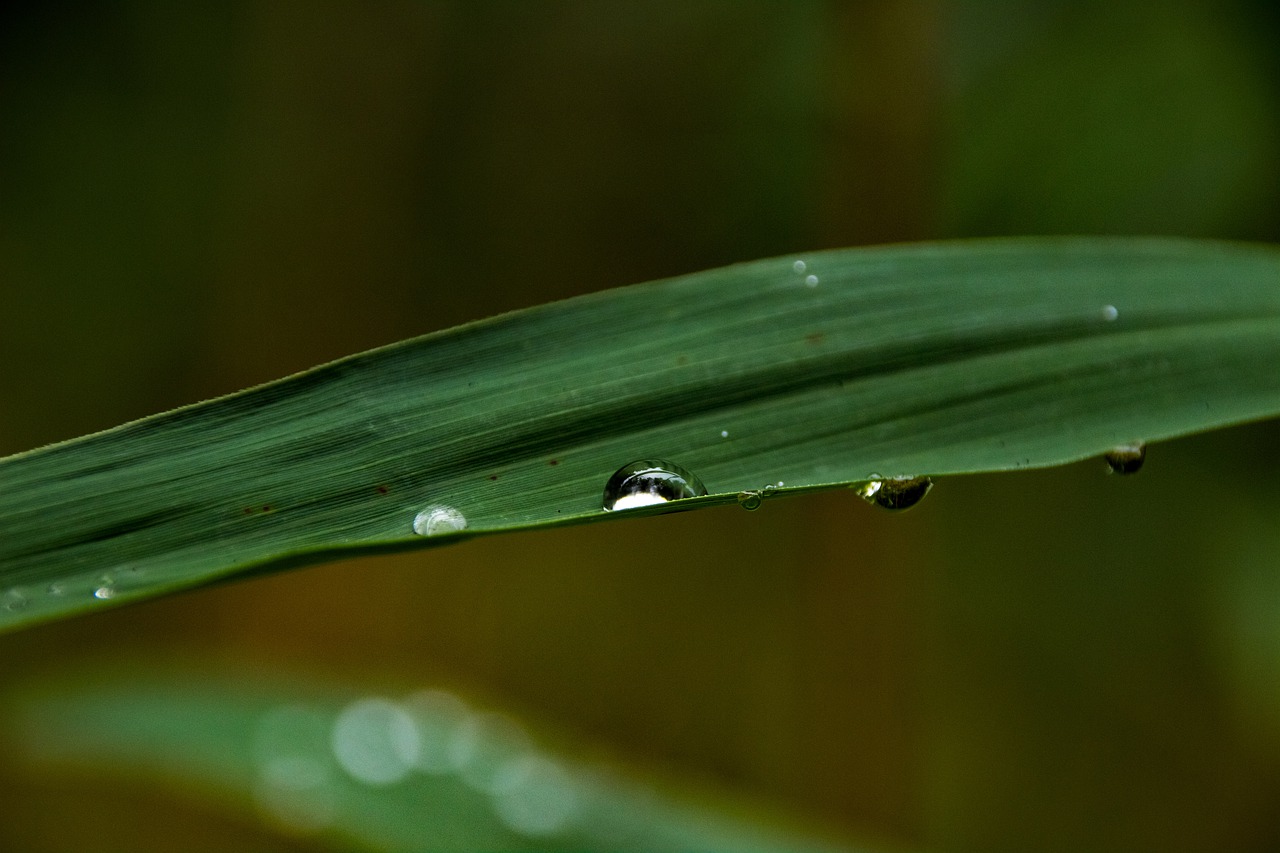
[
  {"x": 724, "y": 433},
  {"x": 438, "y": 519},
  {"x": 56, "y": 589},
  {"x": 1127, "y": 458},
  {"x": 1109, "y": 313},
  {"x": 895, "y": 493},
  {"x": 798, "y": 266},
  {"x": 535, "y": 795},
  {"x": 811, "y": 280},
  {"x": 750, "y": 501},
  {"x": 650, "y": 481},
  {"x": 14, "y": 601},
  {"x": 104, "y": 592}
]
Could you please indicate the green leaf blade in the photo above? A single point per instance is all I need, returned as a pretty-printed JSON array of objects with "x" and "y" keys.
[{"x": 925, "y": 359}]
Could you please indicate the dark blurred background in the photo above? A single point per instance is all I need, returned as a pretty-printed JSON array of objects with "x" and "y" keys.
[{"x": 198, "y": 197}]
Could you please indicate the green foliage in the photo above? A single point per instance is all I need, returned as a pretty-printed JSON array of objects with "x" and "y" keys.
[
  {"x": 793, "y": 373},
  {"x": 425, "y": 773}
]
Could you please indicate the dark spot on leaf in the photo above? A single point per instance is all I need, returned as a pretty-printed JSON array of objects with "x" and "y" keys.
[
  {"x": 266, "y": 507},
  {"x": 815, "y": 338},
  {"x": 493, "y": 476},
  {"x": 554, "y": 462},
  {"x": 382, "y": 490}
]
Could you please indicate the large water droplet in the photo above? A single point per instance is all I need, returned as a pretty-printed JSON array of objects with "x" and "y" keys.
[
  {"x": 750, "y": 501},
  {"x": 105, "y": 592},
  {"x": 437, "y": 519},
  {"x": 650, "y": 481},
  {"x": 1127, "y": 458},
  {"x": 895, "y": 493}
]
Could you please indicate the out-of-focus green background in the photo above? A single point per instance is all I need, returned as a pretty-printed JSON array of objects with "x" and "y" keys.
[{"x": 199, "y": 197}]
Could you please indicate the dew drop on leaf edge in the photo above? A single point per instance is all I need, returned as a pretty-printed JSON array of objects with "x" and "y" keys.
[
  {"x": 1126, "y": 458},
  {"x": 894, "y": 493},
  {"x": 646, "y": 482}
]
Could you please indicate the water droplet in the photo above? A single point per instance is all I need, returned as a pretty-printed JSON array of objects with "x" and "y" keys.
[
  {"x": 482, "y": 744},
  {"x": 438, "y": 519},
  {"x": 104, "y": 592},
  {"x": 56, "y": 589},
  {"x": 798, "y": 266},
  {"x": 1109, "y": 313},
  {"x": 650, "y": 481},
  {"x": 750, "y": 501},
  {"x": 535, "y": 795},
  {"x": 437, "y": 716},
  {"x": 375, "y": 741},
  {"x": 895, "y": 493},
  {"x": 724, "y": 433},
  {"x": 811, "y": 280},
  {"x": 1127, "y": 458},
  {"x": 14, "y": 601},
  {"x": 296, "y": 785}
]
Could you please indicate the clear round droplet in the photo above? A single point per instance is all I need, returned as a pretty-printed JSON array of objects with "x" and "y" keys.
[
  {"x": 811, "y": 280},
  {"x": 724, "y": 433},
  {"x": 750, "y": 501},
  {"x": 438, "y": 519},
  {"x": 646, "y": 482},
  {"x": 1127, "y": 458},
  {"x": 798, "y": 266},
  {"x": 1109, "y": 313},
  {"x": 895, "y": 493}
]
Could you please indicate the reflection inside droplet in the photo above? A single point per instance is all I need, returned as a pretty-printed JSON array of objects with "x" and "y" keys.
[
  {"x": 646, "y": 482},
  {"x": 895, "y": 493}
]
